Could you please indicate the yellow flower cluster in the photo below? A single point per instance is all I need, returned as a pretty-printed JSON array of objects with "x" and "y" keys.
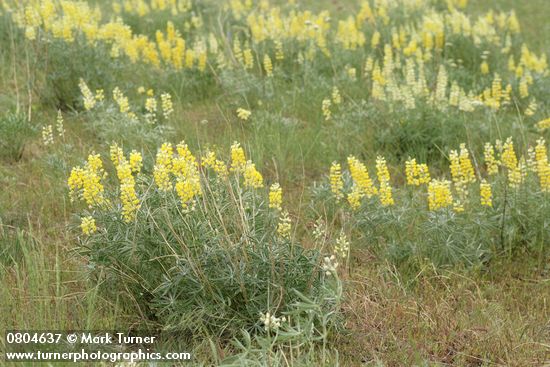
[
  {"x": 349, "y": 35},
  {"x": 86, "y": 182},
  {"x": 336, "y": 97},
  {"x": 59, "y": 124},
  {"x": 163, "y": 166},
  {"x": 444, "y": 193},
  {"x": 439, "y": 194},
  {"x": 128, "y": 195},
  {"x": 124, "y": 170},
  {"x": 268, "y": 66},
  {"x": 88, "y": 225},
  {"x": 325, "y": 107},
  {"x": 248, "y": 58},
  {"x": 272, "y": 24},
  {"x": 462, "y": 173},
  {"x": 185, "y": 169},
  {"x": 211, "y": 161},
  {"x": 542, "y": 165},
  {"x": 342, "y": 245},
  {"x": 68, "y": 19},
  {"x": 151, "y": 108},
  {"x": 490, "y": 160},
  {"x": 99, "y": 95},
  {"x": 87, "y": 95},
  {"x": 485, "y": 194},
  {"x": 484, "y": 67},
  {"x": 362, "y": 183},
  {"x": 136, "y": 161},
  {"x": 116, "y": 153},
  {"x": 175, "y": 169},
  {"x": 383, "y": 175},
  {"x": 122, "y": 101},
  {"x": 47, "y": 134},
  {"x": 243, "y": 114},
  {"x": 397, "y": 77},
  {"x": 275, "y": 196},
  {"x": 284, "y": 227},
  {"x": 167, "y": 105},
  {"x": 494, "y": 97},
  {"x": 252, "y": 178},
  {"x": 417, "y": 174},
  {"x": 238, "y": 159},
  {"x": 183, "y": 166},
  {"x": 354, "y": 198},
  {"x": 336, "y": 182},
  {"x": 531, "y": 108},
  {"x": 544, "y": 124},
  {"x": 510, "y": 161},
  {"x": 146, "y": 7}
]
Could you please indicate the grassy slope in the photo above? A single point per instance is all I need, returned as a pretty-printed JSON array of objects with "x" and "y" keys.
[{"x": 500, "y": 316}]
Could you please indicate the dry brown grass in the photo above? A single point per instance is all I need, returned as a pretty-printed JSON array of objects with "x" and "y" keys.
[{"x": 499, "y": 318}]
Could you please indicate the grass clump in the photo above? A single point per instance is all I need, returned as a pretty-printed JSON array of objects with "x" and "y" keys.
[
  {"x": 198, "y": 249},
  {"x": 15, "y": 131}
]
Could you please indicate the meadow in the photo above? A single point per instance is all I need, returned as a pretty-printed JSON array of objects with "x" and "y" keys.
[{"x": 280, "y": 183}]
